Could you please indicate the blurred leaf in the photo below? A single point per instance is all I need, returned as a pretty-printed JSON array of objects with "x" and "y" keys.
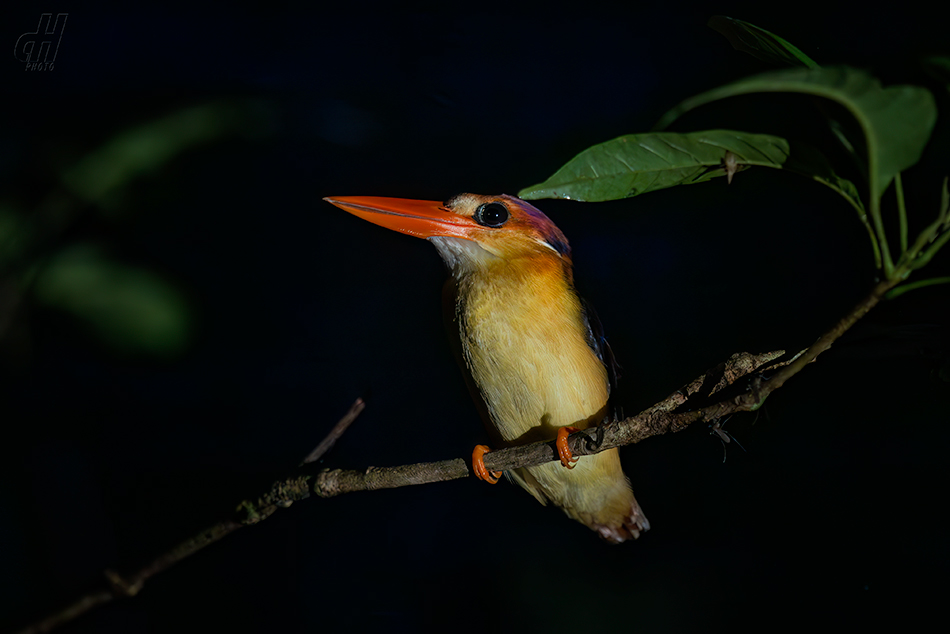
[
  {"x": 759, "y": 43},
  {"x": 896, "y": 121},
  {"x": 938, "y": 67},
  {"x": 15, "y": 235},
  {"x": 639, "y": 163},
  {"x": 147, "y": 147},
  {"x": 129, "y": 308}
]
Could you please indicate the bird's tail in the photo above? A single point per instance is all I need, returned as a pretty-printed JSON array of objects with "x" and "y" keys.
[{"x": 634, "y": 523}]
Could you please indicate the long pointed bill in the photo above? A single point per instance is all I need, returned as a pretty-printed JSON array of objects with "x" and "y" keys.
[{"x": 420, "y": 218}]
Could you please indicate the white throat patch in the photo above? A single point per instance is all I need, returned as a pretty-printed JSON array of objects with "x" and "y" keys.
[{"x": 459, "y": 254}]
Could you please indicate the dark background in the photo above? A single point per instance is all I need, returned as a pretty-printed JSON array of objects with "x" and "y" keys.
[{"x": 286, "y": 309}]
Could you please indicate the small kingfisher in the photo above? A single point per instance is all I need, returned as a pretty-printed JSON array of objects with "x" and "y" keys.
[{"x": 531, "y": 347}]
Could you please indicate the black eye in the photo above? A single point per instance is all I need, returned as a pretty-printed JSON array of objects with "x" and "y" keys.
[{"x": 491, "y": 215}]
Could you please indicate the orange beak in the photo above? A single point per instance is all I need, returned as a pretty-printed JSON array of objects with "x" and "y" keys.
[{"x": 420, "y": 218}]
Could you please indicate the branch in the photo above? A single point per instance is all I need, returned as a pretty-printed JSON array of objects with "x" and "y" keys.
[
  {"x": 669, "y": 415},
  {"x": 662, "y": 418}
]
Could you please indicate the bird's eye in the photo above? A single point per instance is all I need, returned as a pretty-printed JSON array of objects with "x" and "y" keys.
[{"x": 492, "y": 215}]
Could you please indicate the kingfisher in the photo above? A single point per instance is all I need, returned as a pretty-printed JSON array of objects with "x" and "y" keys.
[{"x": 530, "y": 347}]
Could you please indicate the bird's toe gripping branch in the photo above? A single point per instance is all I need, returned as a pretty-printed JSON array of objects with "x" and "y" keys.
[
  {"x": 478, "y": 465},
  {"x": 563, "y": 451}
]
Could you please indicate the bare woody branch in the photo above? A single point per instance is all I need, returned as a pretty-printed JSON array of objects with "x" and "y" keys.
[
  {"x": 662, "y": 418},
  {"x": 738, "y": 384}
]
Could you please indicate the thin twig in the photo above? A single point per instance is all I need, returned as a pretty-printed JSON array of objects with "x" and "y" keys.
[
  {"x": 327, "y": 443},
  {"x": 824, "y": 342},
  {"x": 281, "y": 495}
]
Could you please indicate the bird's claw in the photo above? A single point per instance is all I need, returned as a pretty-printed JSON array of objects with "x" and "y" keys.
[
  {"x": 563, "y": 451},
  {"x": 478, "y": 465}
]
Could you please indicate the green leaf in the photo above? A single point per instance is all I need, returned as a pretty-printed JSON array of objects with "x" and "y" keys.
[
  {"x": 639, "y": 163},
  {"x": 759, "y": 43},
  {"x": 896, "y": 121},
  {"x": 129, "y": 308}
]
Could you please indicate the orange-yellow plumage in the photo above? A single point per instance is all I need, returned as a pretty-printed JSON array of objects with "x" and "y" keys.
[{"x": 525, "y": 340}]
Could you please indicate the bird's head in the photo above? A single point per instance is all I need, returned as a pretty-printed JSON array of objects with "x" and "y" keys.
[{"x": 469, "y": 230}]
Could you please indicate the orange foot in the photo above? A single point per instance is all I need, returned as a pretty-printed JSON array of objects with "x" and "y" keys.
[
  {"x": 563, "y": 451},
  {"x": 478, "y": 464}
]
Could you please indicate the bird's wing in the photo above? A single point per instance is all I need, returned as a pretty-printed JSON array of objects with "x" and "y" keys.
[{"x": 598, "y": 343}]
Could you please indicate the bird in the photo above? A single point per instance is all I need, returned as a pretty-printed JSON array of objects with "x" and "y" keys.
[{"x": 530, "y": 346}]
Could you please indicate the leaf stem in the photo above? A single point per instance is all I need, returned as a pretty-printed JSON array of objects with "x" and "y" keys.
[
  {"x": 945, "y": 204},
  {"x": 862, "y": 216},
  {"x": 901, "y": 211},
  {"x": 900, "y": 290},
  {"x": 936, "y": 235},
  {"x": 881, "y": 237},
  {"x": 932, "y": 250}
]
